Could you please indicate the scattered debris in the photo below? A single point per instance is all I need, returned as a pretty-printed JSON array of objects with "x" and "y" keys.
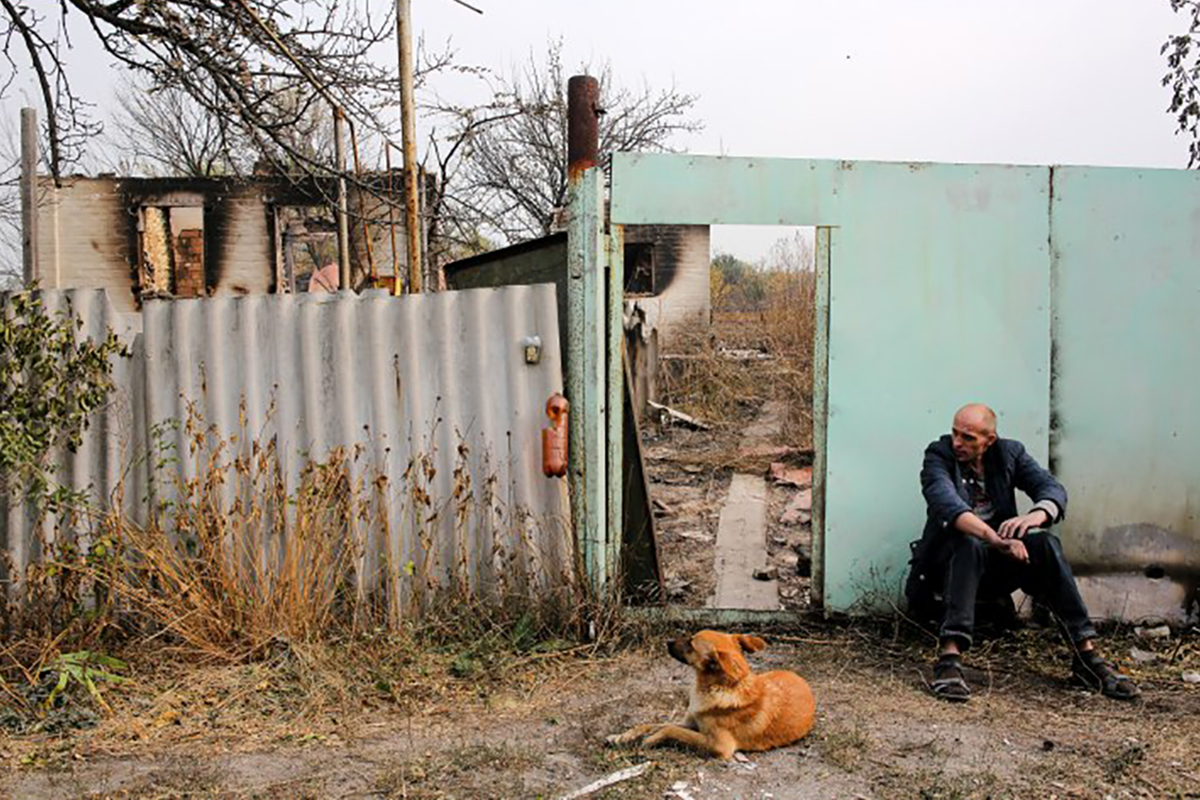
[
  {"x": 788, "y": 559},
  {"x": 1142, "y": 656},
  {"x": 768, "y": 574},
  {"x": 769, "y": 451},
  {"x": 697, "y": 536},
  {"x": 668, "y": 416},
  {"x": 799, "y": 511},
  {"x": 800, "y": 477},
  {"x": 679, "y": 789},
  {"x": 804, "y": 560},
  {"x": 662, "y": 508},
  {"x": 779, "y": 540},
  {"x": 677, "y": 586},
  {"x": 1158, "y": 632},
  {"x": 1191, "y": 677},
  {"x": 605, "y": 782},
  {"x": 738, "y": 354}
]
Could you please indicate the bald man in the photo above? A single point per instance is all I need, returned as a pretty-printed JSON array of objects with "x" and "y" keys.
[{"x": 975, "y": 543}]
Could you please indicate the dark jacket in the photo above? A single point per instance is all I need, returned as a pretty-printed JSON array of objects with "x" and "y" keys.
[{"x": 1007, "y": 468}]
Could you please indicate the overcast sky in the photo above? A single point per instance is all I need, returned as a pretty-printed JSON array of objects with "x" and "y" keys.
[{"x": 1007, "y": 81}]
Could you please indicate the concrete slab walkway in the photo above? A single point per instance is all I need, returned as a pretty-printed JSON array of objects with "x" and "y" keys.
[
  {"x": 742, "y": 548},
  {"x": 742, "y": 529}
]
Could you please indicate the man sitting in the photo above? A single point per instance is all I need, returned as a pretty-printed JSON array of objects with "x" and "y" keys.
[{"x": 976, "y": 544}]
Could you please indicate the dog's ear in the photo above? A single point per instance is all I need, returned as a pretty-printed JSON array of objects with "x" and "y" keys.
[
  {"x": 732, "y": 664},
  {"x": 751, "y": 644}
]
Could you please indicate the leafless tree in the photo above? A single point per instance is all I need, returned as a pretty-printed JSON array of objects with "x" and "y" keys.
[
  {"x": 792, "y": 253},
  {"x": 11, "y": 269},
  {"x": 503, "y": 164},
  {"x": 1183, "y": 73},
  {"x": 164, "y": 132},
  {"x": 256, "y": 68}
]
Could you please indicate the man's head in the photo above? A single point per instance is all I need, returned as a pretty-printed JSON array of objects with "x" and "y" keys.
[{"x": 973, "y": 431}]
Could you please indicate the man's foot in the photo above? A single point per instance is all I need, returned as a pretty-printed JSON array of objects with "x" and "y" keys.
[
  {"x": 1091, "y": 670},
  {"x": 948, "y": 681}
]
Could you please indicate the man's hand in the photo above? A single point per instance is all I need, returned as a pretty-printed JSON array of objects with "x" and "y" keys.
[
  {"x": 1017, "y": 527},
  {"x": 1014, "y": 549}
]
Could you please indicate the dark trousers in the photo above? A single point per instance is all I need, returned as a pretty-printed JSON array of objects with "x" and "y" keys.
[{"x": 975, "y": 569}]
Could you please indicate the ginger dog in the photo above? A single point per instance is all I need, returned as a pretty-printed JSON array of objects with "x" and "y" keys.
[{"x": 731, "y": 707}]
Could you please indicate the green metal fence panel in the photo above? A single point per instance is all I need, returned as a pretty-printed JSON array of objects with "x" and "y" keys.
[
  {"x": 1126, "y": 392},
  {"x": 938, "y": 296},
  {"x": 587, "y": 376},
  {"x": 654, "y": 188}
]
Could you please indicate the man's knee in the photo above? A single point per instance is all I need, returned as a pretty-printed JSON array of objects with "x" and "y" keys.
[{"x": 1041, "y": 544}]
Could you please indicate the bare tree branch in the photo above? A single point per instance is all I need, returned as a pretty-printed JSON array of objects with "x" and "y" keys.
[
  {"x": 503, "y": 164},
  {"x": 1183, "y": 74},
  {"x": 254, "y": 66}
]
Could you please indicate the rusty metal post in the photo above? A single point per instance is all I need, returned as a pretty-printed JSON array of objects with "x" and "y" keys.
[
  {"x": 583, "y": 124},
  {"x": 343, "y": 209},
  {"x": 408, "y": 135},
  {"x": 29, "y": 209},
  {"x": 585, "y": 387}
]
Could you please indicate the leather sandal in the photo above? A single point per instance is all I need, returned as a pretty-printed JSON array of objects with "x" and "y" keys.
[
  {"x": 948, "y": 681},
  {"x": 1099, "y": 675}
]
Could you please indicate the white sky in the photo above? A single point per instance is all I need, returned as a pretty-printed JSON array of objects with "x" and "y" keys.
[{"x": 1008, "y": 81}]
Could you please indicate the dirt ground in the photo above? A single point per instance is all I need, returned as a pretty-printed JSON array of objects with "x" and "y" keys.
[
  {"x": 540, "y": 733},
  {"x": 689, "y": 474}
]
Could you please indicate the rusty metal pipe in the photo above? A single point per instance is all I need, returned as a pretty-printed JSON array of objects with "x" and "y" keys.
[{"x": 583, "y": 124}]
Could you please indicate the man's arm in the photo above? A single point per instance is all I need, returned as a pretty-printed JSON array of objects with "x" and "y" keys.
[
  {"x": 947, "y": 506},
  {"x": 1049, "y": 496}
]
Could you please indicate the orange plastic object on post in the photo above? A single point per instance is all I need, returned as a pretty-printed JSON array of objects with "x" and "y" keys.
[{"x": 554, "y": 438}]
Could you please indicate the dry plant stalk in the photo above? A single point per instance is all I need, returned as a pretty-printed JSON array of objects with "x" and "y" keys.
[{"x": 707, "y": 376}]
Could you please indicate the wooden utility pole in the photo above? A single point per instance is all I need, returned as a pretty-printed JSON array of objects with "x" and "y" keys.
[
  {"x": 29, "y": 210},
  {"x": 343, "y": 206},
  {"x": 412, "y": 219}
]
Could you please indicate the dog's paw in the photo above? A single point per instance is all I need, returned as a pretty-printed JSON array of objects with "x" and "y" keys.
[{"x": 615, "y": 740}]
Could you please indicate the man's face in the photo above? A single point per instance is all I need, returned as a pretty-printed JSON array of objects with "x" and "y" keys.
[{"x": 970, "y": 437}]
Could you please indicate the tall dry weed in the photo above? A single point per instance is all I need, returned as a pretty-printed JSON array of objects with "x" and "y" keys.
[
  {"x": 239, "y": 558},
  {"x": 723, "y": 372}
]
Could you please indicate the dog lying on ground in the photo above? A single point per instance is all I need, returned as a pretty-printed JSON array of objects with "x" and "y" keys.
[{"x": 732, "y": 708}]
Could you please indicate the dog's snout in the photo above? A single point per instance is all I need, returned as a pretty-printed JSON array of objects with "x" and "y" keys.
[{"x": 675, "y": 648}]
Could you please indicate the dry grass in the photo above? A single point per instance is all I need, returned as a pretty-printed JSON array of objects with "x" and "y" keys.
[
  {"x": 271, "y": 576},
  {"x": 723, "y": 373},
  {"x": 536, "y": 727}
]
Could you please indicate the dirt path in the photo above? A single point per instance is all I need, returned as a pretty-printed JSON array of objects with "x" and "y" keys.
[{"x": 878, "y": 734}]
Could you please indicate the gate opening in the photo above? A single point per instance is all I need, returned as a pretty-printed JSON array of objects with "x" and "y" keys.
[{"x": 727, "y": 420}]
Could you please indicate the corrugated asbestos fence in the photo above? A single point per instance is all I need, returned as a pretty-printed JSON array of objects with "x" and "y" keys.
[{"x": 427, "y": 400}]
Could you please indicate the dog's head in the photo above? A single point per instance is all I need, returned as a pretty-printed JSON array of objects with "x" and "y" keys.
[{"x": 717, "y": 657}]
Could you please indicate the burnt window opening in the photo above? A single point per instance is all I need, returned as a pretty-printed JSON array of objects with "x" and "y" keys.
[
  {"x": 306, "y": 249},
  {"x": 171, "y": 251},
  {"x": 639, "y": 269}
]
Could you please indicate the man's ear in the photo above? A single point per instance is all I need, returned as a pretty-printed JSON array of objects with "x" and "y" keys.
[{"x": 751, "y": 644}]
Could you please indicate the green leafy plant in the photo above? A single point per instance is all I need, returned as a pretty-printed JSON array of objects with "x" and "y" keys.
[
  {"x": 85, "y": 668},
  {"x": 51, "y": 381}
]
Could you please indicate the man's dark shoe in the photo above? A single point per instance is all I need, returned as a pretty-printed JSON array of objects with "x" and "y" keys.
[
  {"x": 1091, "y": 670},
  {"x": 948, "y": 681}
]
